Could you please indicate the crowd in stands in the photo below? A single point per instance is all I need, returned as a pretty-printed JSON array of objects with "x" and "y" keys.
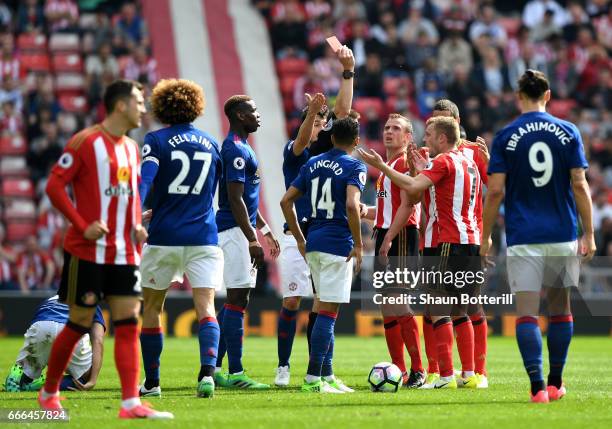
[
  {"x": 56, "y": 57},
  {"x": 409, "y": 53}
]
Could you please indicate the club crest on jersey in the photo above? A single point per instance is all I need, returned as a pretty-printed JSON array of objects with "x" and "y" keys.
[
  {"x": 362, "y": 178},
  {"x": 239, "y": 163},
  {"x": 123, "y": 174},
  {"x": 292, "y": 286},
  {"x": 146, "y": 149},
  {"x": 65, "y": 161}
]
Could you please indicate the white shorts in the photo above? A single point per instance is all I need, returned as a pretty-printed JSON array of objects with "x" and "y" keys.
[
  {"x": 238, "y": 271},
  {"x": 332, "y": 276},
  {"x": 34, "y": 355},
  {"x": 531, "y": 266},
  {"x": 294, "y": 272},
  {"x": 162, "y": 265}
]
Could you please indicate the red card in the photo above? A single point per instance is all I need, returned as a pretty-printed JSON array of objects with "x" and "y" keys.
[{"x": 334, "y": 43}]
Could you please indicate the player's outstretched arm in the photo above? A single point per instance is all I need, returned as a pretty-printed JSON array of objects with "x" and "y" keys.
[
  {"x": 344, "y": 100},
  {"x": 315, "y": 104},
  {"x": 264, "y": 228},
  {"x": 404, "y": 211},
  {"x": 584, "y": 204},
  {"x": 287, "y": 206},
  {"x": 353, "y": 194},
  {"x": 493, "y": 199}
]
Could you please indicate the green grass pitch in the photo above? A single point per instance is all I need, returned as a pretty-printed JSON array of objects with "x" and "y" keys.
[{"x": 505, "y": 404}]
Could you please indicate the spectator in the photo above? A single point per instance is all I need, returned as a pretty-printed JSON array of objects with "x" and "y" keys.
[
  {"x": 318, "y": 9},
  {"x": 6, "y": 16},
  {"x": 9, "y": 60},
  {"x": 534, "y": 11},
  {"x": 418, "y": 52},
  {"x": 461, "y": 87},
  {"x": 11, "y": 122},
  {"x": 562, "y": 73},
  {"x": 11, "y": 93},
  {"x": 30, "y": 17},
  {"x": 454, "y": 51},
  {"x": 104, "y": 61},
  {"x": 529, "y": 59},
  {"x": 7, "y": 259},
  {"x": 35, "y": 269},
  {"x": 577, "y": 19},
  {"x": 546, "y": 28},
  {"x": 492, "y": 74},
  {"x": 131, "y": 27},
  {"x": 328, "y": 71},
  {"x": 394, "y": 54},
  {"x": 415, "y": 25},
  {"x": 289, "y": 32},
  {"x": 486, "y": 25},
  {"x": 369, "y": 78},
  {"x": 306, "y": 84},
  {"x": 44, "y": 151},
  {"x": 62, "y": 15},
  {"x": 362, "y": 43},
  {"x": 284, "y": 9},
  {"x": 427, "y": 97},
  {"x": 141, "y": 67}
]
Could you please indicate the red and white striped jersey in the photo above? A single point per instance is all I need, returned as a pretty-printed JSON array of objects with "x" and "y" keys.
[
  {"x": 457, "y": 183},
  {"x": 472, "y": 151},
  {"x": 430, "y": 225},
  {"x": 388, "y": 196},
  {"x": 103, "y": 172},
  {"x": 9, "y": 67}
]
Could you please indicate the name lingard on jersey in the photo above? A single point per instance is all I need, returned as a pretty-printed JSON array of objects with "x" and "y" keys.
[
  {"x": 327, "y": 163},
  {"x": 531, "y": 127},
  {"x": 187, "y": 138}
]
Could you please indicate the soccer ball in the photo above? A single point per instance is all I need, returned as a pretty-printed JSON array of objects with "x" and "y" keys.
[{"x": 385, "y": 377}]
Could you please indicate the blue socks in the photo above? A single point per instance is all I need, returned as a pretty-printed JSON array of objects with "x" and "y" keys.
[
  {"x": 233, "y": 330},
  {"x": 151, "y": 344},
  {"x": 326, "y": 369},
  {"x": 286, "y": 334},
  {"x": 222, "y": 347},
  {"x": 529, "y": 340},
  {"x": 322, "y": 334},
  {"x": 560, "y": 330},
  {"x": 208, "y": 336}
]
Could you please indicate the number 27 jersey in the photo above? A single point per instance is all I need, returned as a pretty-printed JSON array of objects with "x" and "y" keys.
[{"x": 184, "y": 186}]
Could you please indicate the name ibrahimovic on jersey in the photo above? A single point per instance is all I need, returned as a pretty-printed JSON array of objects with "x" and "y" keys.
[{"x": 532, "y": 127}]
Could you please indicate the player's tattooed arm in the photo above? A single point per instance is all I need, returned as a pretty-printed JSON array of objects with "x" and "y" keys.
[
  {"x": 584, "y": 205},
  {"x": 315, "y": 104},
  {"x": 271, "y": 240},
  {"x": 241, "y": 215},
  {"x": 287, "y": 206},
  {"x": 352, "y": 213},
  {"x": 494, "y": 198},
  {"x": 344, "y": 100}
]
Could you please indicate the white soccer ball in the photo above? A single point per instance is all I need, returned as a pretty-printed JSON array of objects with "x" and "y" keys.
[{"x": 385, "y": 377}]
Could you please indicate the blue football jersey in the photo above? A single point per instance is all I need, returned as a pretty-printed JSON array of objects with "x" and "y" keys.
[
  {"x": 239, "y": 165},
  {"x": 536, "y": 152},
  {"x": 291, "y": 168},
  {"x": 184, "y": 186},
  {"x": 51, "y": 310},
  {"x": 323, "y": 181}
]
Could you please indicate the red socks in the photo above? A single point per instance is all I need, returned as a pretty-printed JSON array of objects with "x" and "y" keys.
[
  {"x": 431, "y": 348},
  {"x": 410, "y": 335},
  {"x": 481, "y": 330},
  {"x": 465, "y": 342},
  {"x": 395, "y": 342},
  {"x": 127, "y": 356},
  {"x": 60, "y": 355},
  {"x": 443, "y": 333}
]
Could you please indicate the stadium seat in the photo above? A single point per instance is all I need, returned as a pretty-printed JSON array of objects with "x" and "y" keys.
[
  {"x": 561, "y": 108},
  {"x": 32, "y": 42},
  {"x": 65, "y": 42},
  {"x": 391, "y": 84},
  {"x": 19, "y": 208},
  {"x": 14, "y": 187},
  {"x": 510, "y": 24},
  {"x": 378, "y": 146},
  {"x": 287, "y": 83},
  {"x": 13, "y": 145},
  {"x": 13, "y": 166},
  {"x": 291, "y": 66},
  {"x": 19, "y": 231},
  {"x": 73, "y": 103},
  {"x": 35, "y": 62},
  {"x": 363, "y": 104},
  {"x": 67, "y": 63},
  {"x": 69, "y": 83}
]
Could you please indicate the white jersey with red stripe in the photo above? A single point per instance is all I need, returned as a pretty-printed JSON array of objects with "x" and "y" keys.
[
  {"x": 430, "y": 225},
  {"x": 472, "y": 151},
  {"x": 103, "y": 172},
  {"x": 388, "y": 197},
  {"x": 457, "y": 184}
]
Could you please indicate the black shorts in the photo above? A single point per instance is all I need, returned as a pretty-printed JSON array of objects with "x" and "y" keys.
[
  {"x": 85, "y": 283},
  {"x": 404, "y": 251},
  {"x": 461, "y": 263}
]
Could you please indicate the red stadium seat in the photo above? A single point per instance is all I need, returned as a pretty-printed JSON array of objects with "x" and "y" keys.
[
  {"x": 73, "y": 103},
  {"x": 35, "y": 62},
  {"x": 69, "y": 83},
  {"x": 364, "y": 104},
  {"x": 291, "y": 66},
  {"x": 17, "y": 188},
  {"x": 511, "y": 25},
  {"x": 32, "y": 42},
  {"x": 19, "y": 208},
  {"x": 19, "y": 231},
  {"x": 391, "y": 84},
  {"x": 65, "y": 42},
  {"x": 287, "y": 84},
  {"x": 561, "y": 108},
  {"x": 13, "y": 166},
  {"x": 378, "y": 146},
  {"x": 13, "y": 145},
  {"x": 67, "y": 63}
]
